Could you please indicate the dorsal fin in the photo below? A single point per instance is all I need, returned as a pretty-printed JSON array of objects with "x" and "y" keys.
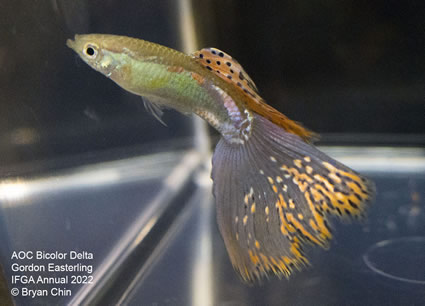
[{"x": 227, "y": 68}]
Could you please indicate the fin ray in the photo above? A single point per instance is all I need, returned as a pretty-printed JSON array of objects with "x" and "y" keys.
[
  {"x": 154, "y": 109},
  {"x": 275, "y": 194},
  {"x": 262, "y": 108},
  {"x": 228, "y": 69}
]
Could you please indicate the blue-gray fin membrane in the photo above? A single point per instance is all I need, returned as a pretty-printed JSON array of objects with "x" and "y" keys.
[
  {"x": 154, "y": 109},
  {"x": 274, "y": 194}
]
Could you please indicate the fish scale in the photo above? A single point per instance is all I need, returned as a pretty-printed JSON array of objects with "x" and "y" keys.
[{"x": 275, "y": 192}]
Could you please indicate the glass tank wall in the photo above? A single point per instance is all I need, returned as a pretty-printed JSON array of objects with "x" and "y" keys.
[{"x": 118, "y": 208}]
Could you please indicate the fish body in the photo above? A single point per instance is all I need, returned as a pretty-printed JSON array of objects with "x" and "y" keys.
[
  {"x": 274, "y": 190},
  {"x": 173, "y": 79},
  {"x": 166, "y": 77}
]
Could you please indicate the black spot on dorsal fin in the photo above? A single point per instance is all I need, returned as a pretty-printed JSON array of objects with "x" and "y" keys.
[{"x": 227, "y": 65}]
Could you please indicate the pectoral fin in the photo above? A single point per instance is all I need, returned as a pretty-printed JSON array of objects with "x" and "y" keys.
[{"x": 154, "y": 109}]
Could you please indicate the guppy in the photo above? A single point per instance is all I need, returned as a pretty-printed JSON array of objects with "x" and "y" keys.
[{"x": 274, "y": 190}]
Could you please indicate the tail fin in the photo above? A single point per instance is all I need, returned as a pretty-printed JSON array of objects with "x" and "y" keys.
[{"x": 273, "y": 196}]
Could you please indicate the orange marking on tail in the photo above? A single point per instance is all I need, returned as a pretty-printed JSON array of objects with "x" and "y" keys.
[
  {"x": 316, "y": 195},
  {"x": 357, "y": 190},
  {"x": 302, "y": 229},
  {"x": 257, "y": 244},
  {"x": 253, "y": 208},
  {"x": 348, "y": 174},
  {"x": 254, "y": 258},
  {"x": 282, "y": 219},
  {"x": 323, "y": 230},
  {"x": 274, "y": 265},
  {"x": 298, "y": 163},
  {"x": 342, "y": 204},
  {"x": 313, "y": 225},
  {"x": 335, "y": 178},
  {"x": 263, "y": 258},
  {"x": 285, "y": 228},
  {"x": 298, "y": 177},
  {"x": 284, "y": 268},
  {"x": 299, "y": 258},
  {"x": 328, "y": 185},
  {"x": 282, "y": 201},
  {"x": 327, "y": 193}
]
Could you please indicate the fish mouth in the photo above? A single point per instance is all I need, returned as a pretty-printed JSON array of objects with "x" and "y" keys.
[
  {"x": 73, "y": 44},
  {"x": 70, "y": 43}
]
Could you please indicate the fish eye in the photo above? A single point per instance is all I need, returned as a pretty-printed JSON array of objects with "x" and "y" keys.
[{"x": 90, "y": 50}]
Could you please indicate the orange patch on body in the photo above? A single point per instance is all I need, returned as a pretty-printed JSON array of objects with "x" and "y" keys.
[
  {"x": 176, "y": 69},
  {"x": 198, "y": 78}
]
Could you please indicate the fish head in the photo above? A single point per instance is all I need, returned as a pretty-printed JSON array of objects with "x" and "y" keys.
[{"x": 93, "y": 49}]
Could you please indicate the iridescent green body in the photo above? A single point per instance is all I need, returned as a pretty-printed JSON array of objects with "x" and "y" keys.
[{"x": 168, "y": 78}]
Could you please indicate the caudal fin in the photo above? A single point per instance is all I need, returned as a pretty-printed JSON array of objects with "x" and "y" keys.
[{"x": 274, "y": 194}]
